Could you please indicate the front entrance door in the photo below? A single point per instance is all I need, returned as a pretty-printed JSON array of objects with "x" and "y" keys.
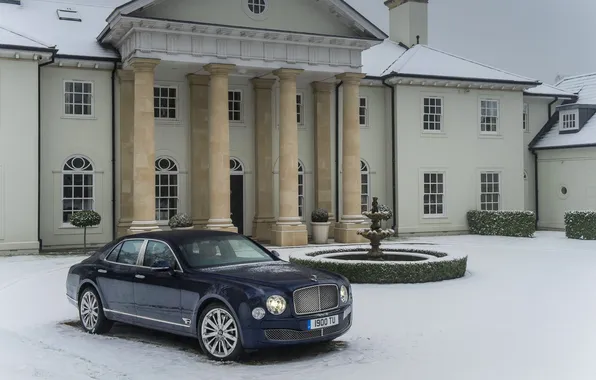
[{"x": 237, "y": 194}]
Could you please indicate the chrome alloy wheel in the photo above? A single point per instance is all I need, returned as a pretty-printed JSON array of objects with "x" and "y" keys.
[
  {"x": 219, "y": 333},
  {"x": 89, "y": 310}
]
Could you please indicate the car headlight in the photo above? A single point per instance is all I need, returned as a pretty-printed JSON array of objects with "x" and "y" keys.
[
  {"x": 343, "y": 294},
  {"x": 276, "y": 305}
]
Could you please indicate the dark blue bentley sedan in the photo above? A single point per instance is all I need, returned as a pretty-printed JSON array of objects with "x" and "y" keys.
[{"x": 223, "y": 288}]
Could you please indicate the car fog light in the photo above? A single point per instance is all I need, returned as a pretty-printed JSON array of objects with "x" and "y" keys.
[
  {"x": 343, "y": 294},
  {"x": 258, "y": 313},
  {"x": 276, "y": 305}
]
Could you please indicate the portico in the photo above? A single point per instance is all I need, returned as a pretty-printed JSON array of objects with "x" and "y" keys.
[{"x": 205, "y": 59}]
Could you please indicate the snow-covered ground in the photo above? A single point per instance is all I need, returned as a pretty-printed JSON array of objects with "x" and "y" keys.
[{"x": 525, "y": 310}]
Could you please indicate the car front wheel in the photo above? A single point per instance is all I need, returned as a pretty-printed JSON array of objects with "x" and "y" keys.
[
  {"x": 219, "y": 333},
  {"x": 91, "y": 313}
]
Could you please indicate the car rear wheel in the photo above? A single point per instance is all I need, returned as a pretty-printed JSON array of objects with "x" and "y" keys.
[
  {"x": 219, "y": 333},
  {"x": 91, "y": 313}
]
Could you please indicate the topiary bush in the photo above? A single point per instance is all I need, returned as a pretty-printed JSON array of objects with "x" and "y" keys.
[
  {"x": 181, "y": 220},
  {"x": 319, "y": 215},
  {"x": 84, "y": 219},
  {"x": 580, "y": 225},
  {"x": 502, "y": 223}
]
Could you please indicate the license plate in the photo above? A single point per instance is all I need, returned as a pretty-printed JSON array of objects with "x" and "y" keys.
[{"x": 321, "y": 323}]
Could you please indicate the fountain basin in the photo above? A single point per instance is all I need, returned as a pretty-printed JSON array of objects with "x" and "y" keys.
[{"x": 402, "y": 264}]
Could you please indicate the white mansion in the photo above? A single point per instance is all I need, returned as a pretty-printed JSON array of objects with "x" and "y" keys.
[{"x": 248, "y": 115}]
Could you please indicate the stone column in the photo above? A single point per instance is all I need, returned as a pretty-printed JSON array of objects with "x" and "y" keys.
[
  {"x": 127, "y": 93},
  {"x": 264, "y": 216},
  {"x": 144, "y": 146},
  {"x": 199, "y": 148},
  {"x": 351, "y": 219},
  {"x": 322, "y": 109},
  {"x": 219, "y": 149},
  {"x": 289, "y": 230}
]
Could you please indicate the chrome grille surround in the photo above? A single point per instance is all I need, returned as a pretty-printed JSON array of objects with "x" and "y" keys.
[{"x": 316, "y": 299}]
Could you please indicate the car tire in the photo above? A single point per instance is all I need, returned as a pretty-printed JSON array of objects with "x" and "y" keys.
[
  {"x": 213, "y": 337},
  {"x": 91, "y": 312}
]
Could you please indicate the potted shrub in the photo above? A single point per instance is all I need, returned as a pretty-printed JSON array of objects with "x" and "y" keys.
[
  {"x": 320, "y": 226},
  {"x": 181, "y": 222},
  {"x": 84, "y": 219}
]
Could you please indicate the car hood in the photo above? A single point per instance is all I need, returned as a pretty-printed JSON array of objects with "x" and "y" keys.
[{"x": 274, "y": 273}]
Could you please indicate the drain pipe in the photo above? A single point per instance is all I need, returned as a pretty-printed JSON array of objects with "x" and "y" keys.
[
  {"x": 337, "y": 150},
  {"x": 114, "y": 226},
  {"x": 393, "y": 157}
]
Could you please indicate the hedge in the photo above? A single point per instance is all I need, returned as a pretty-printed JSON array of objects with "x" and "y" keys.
[
  {"x": 502, "y": 223},
  {"x": 580, "y": 225},
  {"x": 441, "y": 266}
]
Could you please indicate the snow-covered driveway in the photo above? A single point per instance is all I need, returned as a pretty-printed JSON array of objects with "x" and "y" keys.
[{"x": 525, "y": 311}]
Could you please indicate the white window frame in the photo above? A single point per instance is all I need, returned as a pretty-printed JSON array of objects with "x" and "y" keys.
[
  {"x": 366, "y": 113},
  {"x": 480, "y": 116},
  {"x": 441, "y": 114},
  {"x": 436, "y": 193},
  {"x": 526, "y": 118},
  {"x": 170, "y": 173},
  {"x": 301, "y": 190},
  {"x": 176, "y": 99},
  {"x": 91, "y": 103},
  {"x": 241, "y": 121},
  {"x": 365, "y": 170},
  {"x": 300, "y": 109},
  {"x": 482, "y": 205},
  {"x": 566, "y": 117},
  {"x": 74, "y": 172}
]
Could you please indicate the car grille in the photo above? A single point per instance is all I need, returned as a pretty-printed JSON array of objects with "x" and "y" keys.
[
  {"x": 316, "y": 299},
  {"x": 287, "y": 335}
]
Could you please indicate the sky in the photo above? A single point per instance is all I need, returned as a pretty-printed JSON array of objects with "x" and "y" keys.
[{"x": 535, "y": 38}]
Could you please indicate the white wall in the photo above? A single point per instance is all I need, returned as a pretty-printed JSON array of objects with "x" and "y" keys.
[
  {"x": 64, "y": 136},
  {"x": 18, "y": 155},
  {"x": 569, "y": 168},
  {"x": 460, "y": 152}
]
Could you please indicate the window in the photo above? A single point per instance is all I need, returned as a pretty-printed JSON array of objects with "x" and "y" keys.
[
  {"x": 432, "y": 114},
  {"x": 490, "y": 188},
  {"x": 77, "y": 186},
  {"x": 159, "y": 254},
  {"x": 526, "y": 116},
  {"x": 569, "y": 120},
  {"x": 434, "y": 194},
  {"x": 300, "y": 190},
  {"x": 67, "y": 14},
  {"x": 165, "y": 102},
  {"x": 126, "y": 252},
  {"x": 365, "y": 183},
  {"x": 216, "y": 251},
  {"x": 300, "y": 109},
  {"x": 235, "y": 105},
  {"x": 166, "y": 188},
  {"x": 78, "y": 96},
  {"x": 257, "y": 6},
  {"x": 363, "y": 112},
  {"x": 489, "y": 116}
]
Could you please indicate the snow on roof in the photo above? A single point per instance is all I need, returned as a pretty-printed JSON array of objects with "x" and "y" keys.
[
  {"x": 585, "y": 88},
  {"x": 12, "y": 38},
  {"x": 425, "y": 61},
  {"x": 548, "y": 90},
  {"x": 39, "y": 20}
]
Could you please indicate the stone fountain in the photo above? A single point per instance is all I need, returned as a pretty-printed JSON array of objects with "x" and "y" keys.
[{"x": 375, "y": 233}]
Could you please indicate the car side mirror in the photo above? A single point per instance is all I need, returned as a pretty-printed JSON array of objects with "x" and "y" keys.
[{"x": 276, "y": 254}]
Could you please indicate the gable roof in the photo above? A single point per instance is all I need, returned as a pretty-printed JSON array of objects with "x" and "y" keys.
[
  {"x": 584, "y": 86},
  {"x": 341, "y": 5},
  {"x": 422, "y": 61},
  {"x": 12, "y": 39}
]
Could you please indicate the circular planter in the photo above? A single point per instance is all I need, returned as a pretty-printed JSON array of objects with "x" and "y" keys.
[
  {"x": 320, "y": 232},
  {"x": 402, "y": 265}
]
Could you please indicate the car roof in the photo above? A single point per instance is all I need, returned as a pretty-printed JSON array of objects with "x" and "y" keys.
[{"x": 178, "y": 235}]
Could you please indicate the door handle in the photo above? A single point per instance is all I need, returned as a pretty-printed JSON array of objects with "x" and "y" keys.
[
  {"x": 102, "y": 271},
  {"x": 140, "y": 276}
]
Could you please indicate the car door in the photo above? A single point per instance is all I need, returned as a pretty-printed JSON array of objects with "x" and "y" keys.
[
  {"x": 157, "y": 291},
  {"x": 115, "y": 277}
]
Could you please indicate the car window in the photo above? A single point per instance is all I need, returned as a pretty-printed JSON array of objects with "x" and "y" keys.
[
  {"x": 246, "y": 249},
  {"x": 129, "y": 252},
  {"x": 157, "y": 253},
  {"x": 222, "y": 250},
  {"x": 113, "y": 256}
]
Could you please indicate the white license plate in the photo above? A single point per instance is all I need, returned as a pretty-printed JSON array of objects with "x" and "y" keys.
[{"x": 321, "y": 323}]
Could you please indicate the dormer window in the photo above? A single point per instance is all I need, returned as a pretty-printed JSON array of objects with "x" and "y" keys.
[{"x": 569, "y": 120}]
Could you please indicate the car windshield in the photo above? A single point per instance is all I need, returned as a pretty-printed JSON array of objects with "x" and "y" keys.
[{"x": 204, "y": 252}]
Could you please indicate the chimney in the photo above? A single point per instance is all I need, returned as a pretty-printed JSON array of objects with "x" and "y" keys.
[{"x": 408, "y": 21}]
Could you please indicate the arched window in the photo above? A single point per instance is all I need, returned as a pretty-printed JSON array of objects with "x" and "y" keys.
[
  {"x": 300, "y": 190},
  {"x": 365, "y": 183},
  {"x": 166, "y": 188},
  {"x": 236, "y": 167},
  {"x": 77, "y": 186}
]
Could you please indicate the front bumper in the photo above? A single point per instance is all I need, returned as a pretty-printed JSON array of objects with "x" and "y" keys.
[{"x": 294, "y": 330}]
